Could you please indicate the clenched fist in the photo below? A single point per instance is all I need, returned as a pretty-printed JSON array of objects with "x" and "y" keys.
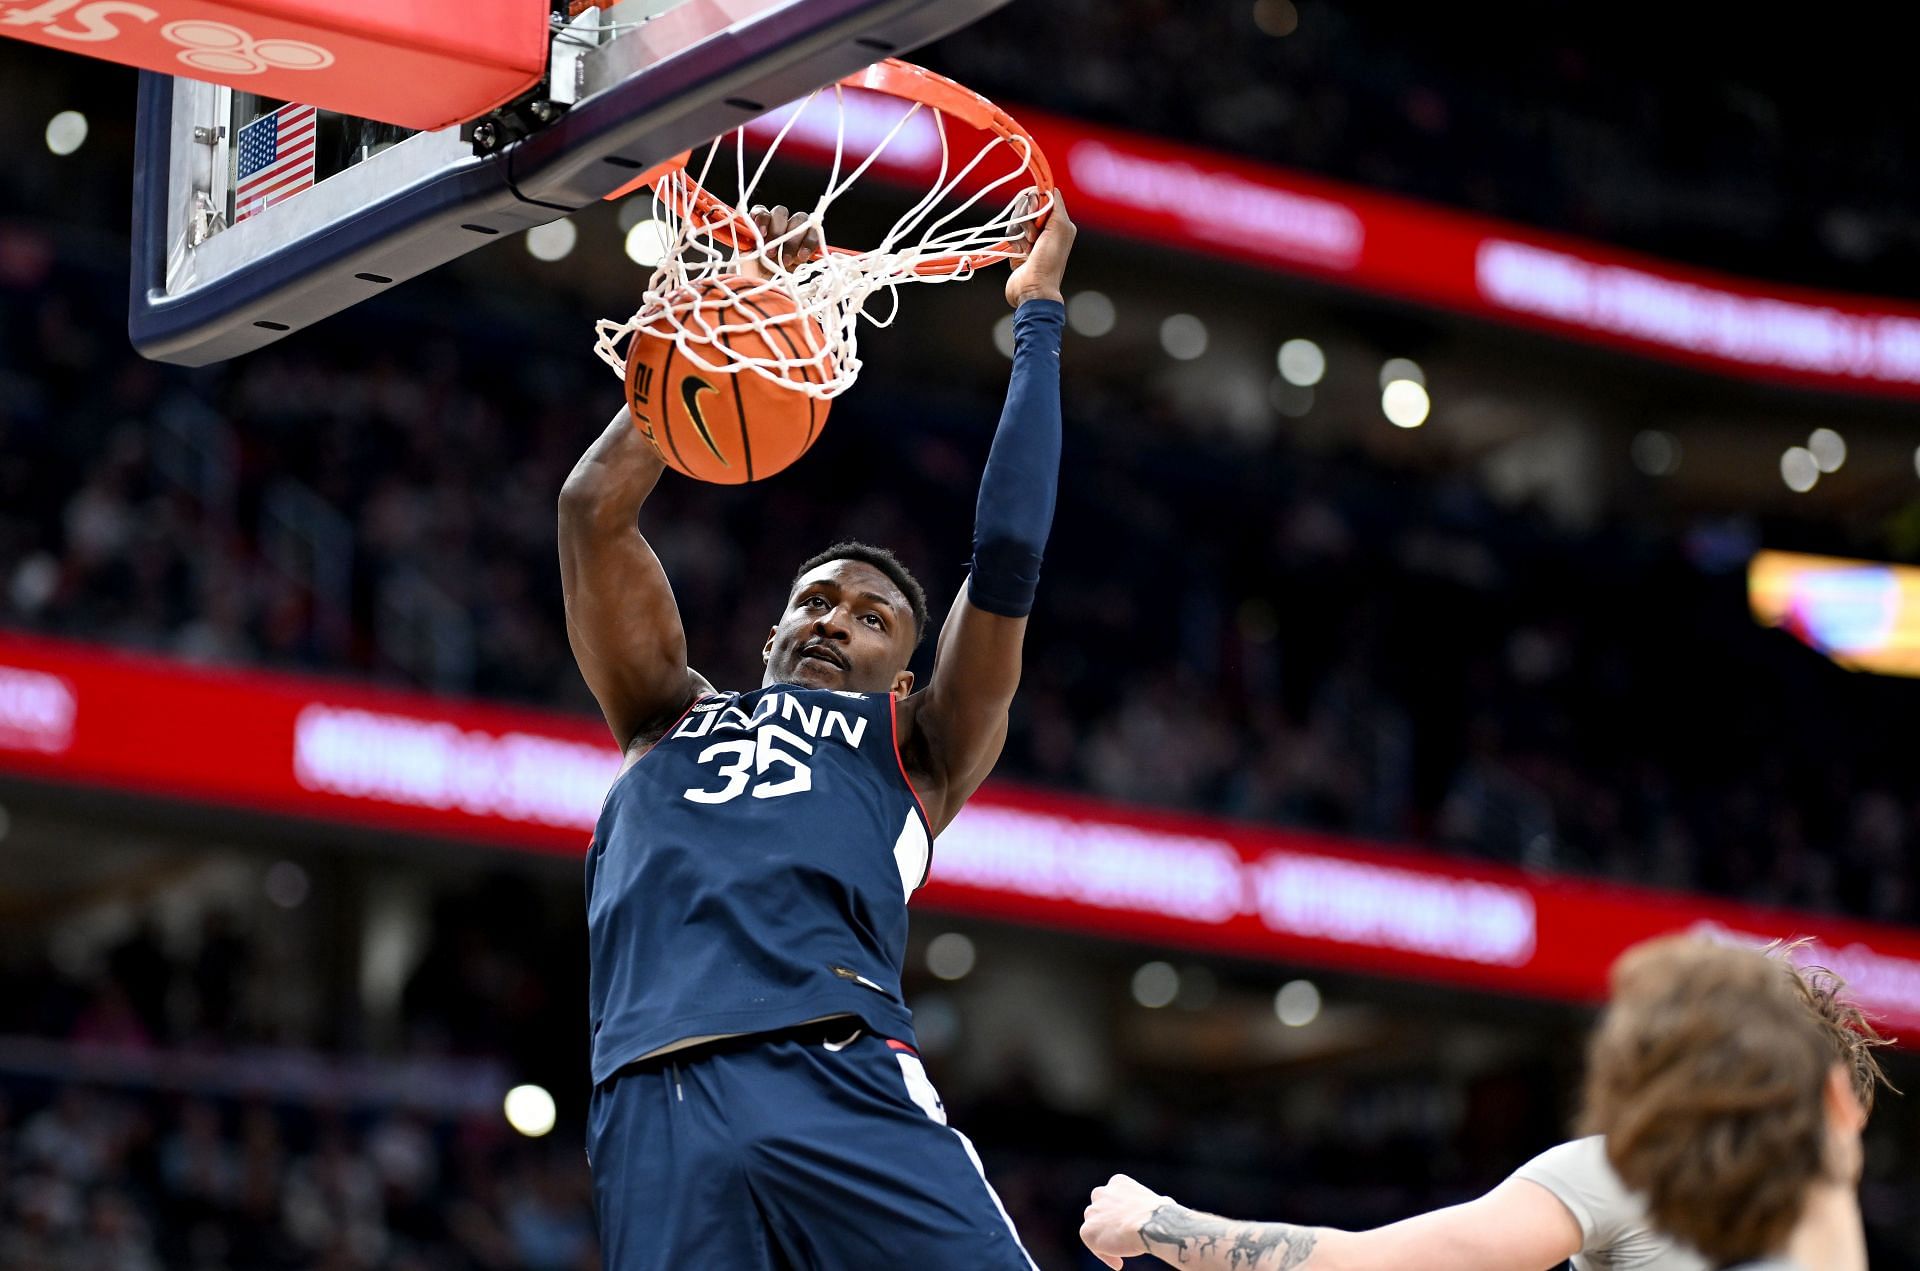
[{"x": 1114, "y": 1217}]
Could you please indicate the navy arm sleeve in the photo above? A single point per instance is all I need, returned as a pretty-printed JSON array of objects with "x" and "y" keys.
[{"x": 1017, "y": 489}]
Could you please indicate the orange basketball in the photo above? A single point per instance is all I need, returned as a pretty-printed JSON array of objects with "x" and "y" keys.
[{"x": 729, "y": 426}]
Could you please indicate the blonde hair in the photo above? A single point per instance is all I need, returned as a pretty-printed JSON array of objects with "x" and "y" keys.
[{"x": 1707, "y": 1076}]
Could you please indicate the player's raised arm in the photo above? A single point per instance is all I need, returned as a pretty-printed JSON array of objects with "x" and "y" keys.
[
  {"x": 621, "y": 619},
  {"x": 952, "y": 732},
  {"x": 1517, "y": 1226}
]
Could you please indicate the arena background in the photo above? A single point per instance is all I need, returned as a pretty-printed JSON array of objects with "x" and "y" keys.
[{"x": 261, "y": 997}]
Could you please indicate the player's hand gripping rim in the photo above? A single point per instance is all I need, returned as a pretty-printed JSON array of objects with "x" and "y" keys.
[
  {"x": 1038, "y": 274},
  {"x": 790, "y": 238}
]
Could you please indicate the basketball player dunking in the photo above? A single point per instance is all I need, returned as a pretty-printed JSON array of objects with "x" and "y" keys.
[{"x": 757, "y": 1100}]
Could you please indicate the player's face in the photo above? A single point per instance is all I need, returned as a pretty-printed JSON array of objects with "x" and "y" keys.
[{"x": 846, "y": 626}]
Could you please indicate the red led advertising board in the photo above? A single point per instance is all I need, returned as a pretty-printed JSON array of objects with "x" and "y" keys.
[
  {"x": 314, "y": 748},
  {"x": 1201, "y": 200}
]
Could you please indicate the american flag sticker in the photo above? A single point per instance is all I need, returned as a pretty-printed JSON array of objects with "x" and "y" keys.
[{"x": 274, "y": 160}]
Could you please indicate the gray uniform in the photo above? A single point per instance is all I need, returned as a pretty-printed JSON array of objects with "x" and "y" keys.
[{"x": 1613, "y": 1223}]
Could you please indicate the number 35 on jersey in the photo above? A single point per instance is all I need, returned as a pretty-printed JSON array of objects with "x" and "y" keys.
[{"x": 764, "y": 759}]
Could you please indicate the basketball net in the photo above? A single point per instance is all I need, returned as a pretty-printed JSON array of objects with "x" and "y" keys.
[{"x": 969, "y": 218}]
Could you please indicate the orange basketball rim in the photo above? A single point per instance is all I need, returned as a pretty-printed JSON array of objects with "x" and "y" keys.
[
  {"x": 975, "y": 211},
  {"x": 896, "y": 78}
]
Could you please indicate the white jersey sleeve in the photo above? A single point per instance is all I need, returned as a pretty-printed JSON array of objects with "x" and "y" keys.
[{"x": 1613, "y": 1223}]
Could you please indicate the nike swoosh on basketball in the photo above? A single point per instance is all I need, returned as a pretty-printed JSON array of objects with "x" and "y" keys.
[{"x": 690, "y": 390}]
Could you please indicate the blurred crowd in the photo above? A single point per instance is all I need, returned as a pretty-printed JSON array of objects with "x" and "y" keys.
[
  {"x": 176, "y": 1097},
  {"x": 1297, "y": 637},
  {"x": 95, "y": 1178},
  {"x": 1762, "y": 142}
]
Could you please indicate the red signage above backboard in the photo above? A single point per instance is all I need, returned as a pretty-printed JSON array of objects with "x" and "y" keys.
[{"x": 423, "y": 65}]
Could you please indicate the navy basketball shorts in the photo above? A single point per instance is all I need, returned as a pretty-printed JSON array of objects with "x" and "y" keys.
[{"x": 790, "y": 1152}]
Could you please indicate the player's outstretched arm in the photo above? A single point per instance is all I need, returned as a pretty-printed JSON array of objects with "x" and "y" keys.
[
  {"x": 621, "y": 619},
  {"x": 1518, "y": 1226},
  {"x": 952, "y": 732}
]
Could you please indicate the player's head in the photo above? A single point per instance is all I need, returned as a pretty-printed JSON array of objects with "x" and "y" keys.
[
  {"x": 854, "y": 616},
  {"x": 1723, "y": 1097}
]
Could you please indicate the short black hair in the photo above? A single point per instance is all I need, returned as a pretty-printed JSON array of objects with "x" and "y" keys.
[{"x": 887, "y": 563}]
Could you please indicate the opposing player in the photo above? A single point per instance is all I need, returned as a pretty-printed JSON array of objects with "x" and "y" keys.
[
  {"x": 1723, "y": 1104},
  {"x": 757, "y": 1099},
  {"x": 1566, "y": 1203}
]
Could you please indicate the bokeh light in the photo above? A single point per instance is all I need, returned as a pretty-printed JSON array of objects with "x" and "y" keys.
[
  {"x": 1302, "y": 363},
  {"x": 552, "y": 241},
  {"x": 1799, "y": 469},
  {"x": 950, "y": 955},
  {"x": 1156, "y": 985},
  {"x": 1297, "y": 1003},
  {"x": 1090, "y": 313},
  {"x": 1828, "y": 448},
  {"x": 530, "y": 1111},
  {"x": 1405, "y": 404},
  {"x": 648, "y": 241},
  {"x": 1183, "y": 336},
  {"x": 66, "y": 132}
]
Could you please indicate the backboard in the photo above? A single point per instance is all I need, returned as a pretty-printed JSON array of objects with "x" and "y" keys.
[{"x": 254, "y": 218}]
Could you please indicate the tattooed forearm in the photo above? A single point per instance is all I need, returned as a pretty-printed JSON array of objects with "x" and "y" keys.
[{"x": 1202, "y": 1240}]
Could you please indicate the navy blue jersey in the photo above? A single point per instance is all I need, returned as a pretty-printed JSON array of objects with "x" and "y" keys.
[{"x": 751, "y": 873}]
